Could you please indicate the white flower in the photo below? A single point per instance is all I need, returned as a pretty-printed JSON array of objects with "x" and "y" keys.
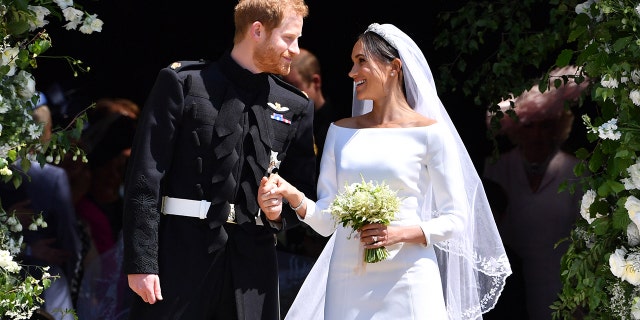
[
  {"x": 9, "y": 55},
  {"x": 608, "y": 130},
  {"x": 7, "y": 263},
  {"x": 638, "y": 9},
  {"x": 91, "y": 24},
  {"x": 633, "y": 235},
  {"x": 16, "y": 228},
  {"x": 25, "y": 84},
  {"x": 584, "y": 7},
  {"x": 587, "y": 237},
  {"x": 628, "y": 184},
  {"x": 73, "y": 16},
  {"x": 34, "y": 131},
  {"x": 634, "y": 95},
  {"x": 587, "y": 200},
  {"x": 617, "y": 262},
  {"x": 63, "y": 4},
  {"x": 609, "y": 82},
  {"x": 632, "y": 269},
  {"x": 12, "y": 221},
  {"x": 4, "y": 107},
  {"x": 5, "y": 171},
  {"x": 39, "y": 22},
  {"x": 633, "y": 182},
  {"x": 635, "y": 76},
  {"x": 633, "y": 207}
]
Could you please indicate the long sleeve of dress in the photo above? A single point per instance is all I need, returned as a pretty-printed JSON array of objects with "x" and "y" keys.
[
  {"x": 318, "y": 216},
  {"x": 449, "y": 205}
]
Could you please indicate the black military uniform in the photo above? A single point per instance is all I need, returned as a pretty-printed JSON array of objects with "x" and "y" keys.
[{"x": 207, "y": 133}]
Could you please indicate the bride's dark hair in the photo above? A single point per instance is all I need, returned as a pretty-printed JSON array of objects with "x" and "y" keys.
[{"x": 375, "y": 47}]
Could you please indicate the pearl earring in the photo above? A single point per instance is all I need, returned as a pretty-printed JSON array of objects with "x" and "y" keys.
[{"x": 393, "y": 73}]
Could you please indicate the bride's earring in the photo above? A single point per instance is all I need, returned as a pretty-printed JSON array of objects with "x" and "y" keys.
[{"x": 393, "y": 73}]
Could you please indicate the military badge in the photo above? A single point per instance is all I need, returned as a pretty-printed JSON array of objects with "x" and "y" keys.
[
  {"x": 277, "y": 107},
  {"x": 279, "y": 117},
  {"x": 274, "y": 163}
]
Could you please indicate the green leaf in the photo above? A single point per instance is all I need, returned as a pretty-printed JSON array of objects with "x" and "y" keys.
[
  {"x": 40, "y": 46},
  {"x": 564, "y": 58},
  {"x": 17, "y": 180},
  {"x": 621, "y": 43},
  {"x": 578, "y": 169},
  {"x": 595, "y": 162},
  {"x": 582, "y": 153},
  {"x": 615, "y": 186}
]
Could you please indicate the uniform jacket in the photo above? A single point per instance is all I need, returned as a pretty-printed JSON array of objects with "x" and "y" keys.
[{"x": 206, "y": 134}]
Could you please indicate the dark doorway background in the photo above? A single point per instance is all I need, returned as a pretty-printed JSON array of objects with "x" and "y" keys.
[{"x": 139, "y": 38}]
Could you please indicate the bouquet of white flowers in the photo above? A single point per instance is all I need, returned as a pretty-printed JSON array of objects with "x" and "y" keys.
[{"x": 364, "y": 203}]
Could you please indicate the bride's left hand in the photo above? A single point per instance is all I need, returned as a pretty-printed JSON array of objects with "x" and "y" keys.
[{"x": 377, "y": 235}]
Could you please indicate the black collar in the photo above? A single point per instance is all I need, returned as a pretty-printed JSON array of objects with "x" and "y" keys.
[{"x": 241, "y": 77}]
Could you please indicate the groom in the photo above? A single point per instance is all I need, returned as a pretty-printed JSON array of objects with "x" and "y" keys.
[{"x": 196, "y": 244}]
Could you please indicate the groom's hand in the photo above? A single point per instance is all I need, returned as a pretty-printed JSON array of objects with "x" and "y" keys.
[{"x": 269, "y": 199}]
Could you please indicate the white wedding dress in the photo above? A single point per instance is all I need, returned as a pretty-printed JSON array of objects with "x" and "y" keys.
[{"x": 422, "y": 164}]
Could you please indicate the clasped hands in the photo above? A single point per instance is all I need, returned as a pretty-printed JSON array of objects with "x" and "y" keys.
[{"x": 270, "y": 196}]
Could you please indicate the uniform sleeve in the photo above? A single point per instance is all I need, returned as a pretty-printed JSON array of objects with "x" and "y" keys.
[
  {"x": 151, "y": 155},
  {"x": 448, "y": 188},
  {"x": 299, "y": 166}
]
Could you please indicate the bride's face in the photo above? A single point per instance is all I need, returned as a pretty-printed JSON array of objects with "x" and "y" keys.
[{"x": 369, "y": 75}]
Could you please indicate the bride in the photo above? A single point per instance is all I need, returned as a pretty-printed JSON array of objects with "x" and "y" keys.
[{"x": 446, "y": 257}]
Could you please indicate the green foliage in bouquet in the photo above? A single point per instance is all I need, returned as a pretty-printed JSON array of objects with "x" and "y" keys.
[{"x": 365, "y": 203}]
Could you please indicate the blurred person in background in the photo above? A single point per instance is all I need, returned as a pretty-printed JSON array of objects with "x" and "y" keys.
[
  {"x": 107, "y": 142},
  {"x": 537, "y": 215}
]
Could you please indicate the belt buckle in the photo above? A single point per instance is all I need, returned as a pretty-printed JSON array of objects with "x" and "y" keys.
[{"x": 231, "y": 218}]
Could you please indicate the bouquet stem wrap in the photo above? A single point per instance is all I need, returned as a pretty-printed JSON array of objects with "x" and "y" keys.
[
  {"x": 365, "y": 203},
  {"x": 375, "y": 254}
]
